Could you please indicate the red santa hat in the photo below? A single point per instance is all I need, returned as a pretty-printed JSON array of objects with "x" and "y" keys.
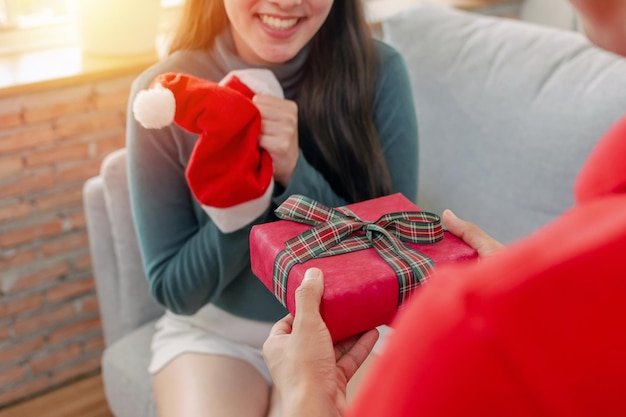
[{"x": 228, "y": 173}]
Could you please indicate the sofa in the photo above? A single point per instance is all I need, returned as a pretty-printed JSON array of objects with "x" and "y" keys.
[{"x": 507, "y": 113}]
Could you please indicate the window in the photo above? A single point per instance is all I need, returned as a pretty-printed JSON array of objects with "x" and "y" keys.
[
  {"x": 25, "y": 14},
  {"x": 34, "y": 24}
]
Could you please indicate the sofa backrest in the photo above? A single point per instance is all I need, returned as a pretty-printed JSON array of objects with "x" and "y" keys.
[{"x": 507, "y": 113}]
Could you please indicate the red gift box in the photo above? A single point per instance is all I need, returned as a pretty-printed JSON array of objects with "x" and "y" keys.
[{"x": 361, "y": 289}]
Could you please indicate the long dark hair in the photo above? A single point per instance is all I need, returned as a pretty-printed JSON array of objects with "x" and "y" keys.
[{"x": 340, "y": 78}]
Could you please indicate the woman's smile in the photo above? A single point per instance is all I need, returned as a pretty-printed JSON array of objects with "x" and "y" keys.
[
  {"x": 278, "y": 23},
  {"x": 268, "y": 32}
]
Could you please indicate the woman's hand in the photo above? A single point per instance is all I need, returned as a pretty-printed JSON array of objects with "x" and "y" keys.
[
  {"x": 310, "y": 373},
  {"x": 279, "y": 134},
  {"x": 471, "y": 234}
]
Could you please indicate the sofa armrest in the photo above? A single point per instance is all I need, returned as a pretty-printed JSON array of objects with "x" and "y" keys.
[
  {"x": 102, "y": 257},
  {"x": 121, "y": 284}
]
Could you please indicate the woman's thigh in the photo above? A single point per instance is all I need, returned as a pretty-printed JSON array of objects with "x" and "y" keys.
[{"x": 195, "y": 384}]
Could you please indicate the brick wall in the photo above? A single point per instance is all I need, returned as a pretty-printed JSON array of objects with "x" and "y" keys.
[{"x": 50, "y": 143}]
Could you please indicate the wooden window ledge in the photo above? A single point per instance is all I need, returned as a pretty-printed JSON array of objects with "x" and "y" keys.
[{"x": 60, "y": 67}]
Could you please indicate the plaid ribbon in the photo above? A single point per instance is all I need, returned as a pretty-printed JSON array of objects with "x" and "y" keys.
[{"x": 337, "y": 231}]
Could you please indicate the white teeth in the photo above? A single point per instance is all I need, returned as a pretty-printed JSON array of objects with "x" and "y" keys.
[{"x": 278, "y": 24}]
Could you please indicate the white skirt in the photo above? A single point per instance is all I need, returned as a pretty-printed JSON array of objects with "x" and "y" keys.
[{"x": 210, "y": 331}]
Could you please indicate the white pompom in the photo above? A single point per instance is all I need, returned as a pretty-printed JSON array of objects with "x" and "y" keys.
[{"x": 154, "y": 108}]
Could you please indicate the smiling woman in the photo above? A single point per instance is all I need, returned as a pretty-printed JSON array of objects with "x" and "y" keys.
[{"x": 345, "y": 131}]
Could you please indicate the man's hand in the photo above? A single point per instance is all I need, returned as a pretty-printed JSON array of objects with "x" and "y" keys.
[
  {"x": 471, "y": 234},
  {"x": 310, "y": 373}
]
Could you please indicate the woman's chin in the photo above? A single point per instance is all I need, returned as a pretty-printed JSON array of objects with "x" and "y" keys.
[{"x": 278, "y": 55}]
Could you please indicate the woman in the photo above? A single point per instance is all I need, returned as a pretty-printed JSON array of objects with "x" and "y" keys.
[{"x": 345, "y": 132}]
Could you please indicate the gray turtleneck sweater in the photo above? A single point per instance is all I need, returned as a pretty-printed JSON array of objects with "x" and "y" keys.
[{"x": 188, "y": 261}]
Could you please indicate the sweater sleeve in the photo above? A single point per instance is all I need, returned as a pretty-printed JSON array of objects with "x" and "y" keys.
[
  {"x": 309, "y": 181},
  {"x": 395, "y": 119}
]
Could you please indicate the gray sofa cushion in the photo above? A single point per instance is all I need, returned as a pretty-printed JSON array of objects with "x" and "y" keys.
[
  {"x": 507, "y": 113},
  {"x": 127, "y": 383}
]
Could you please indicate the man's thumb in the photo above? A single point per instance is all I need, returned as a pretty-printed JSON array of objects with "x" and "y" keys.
[{"x": 309, "y": 293}]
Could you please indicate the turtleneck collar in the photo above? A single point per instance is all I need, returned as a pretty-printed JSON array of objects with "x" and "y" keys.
[{"x": 288, "y": 74}]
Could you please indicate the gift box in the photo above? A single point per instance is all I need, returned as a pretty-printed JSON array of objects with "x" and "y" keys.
[{"x": 374, "y": 254}]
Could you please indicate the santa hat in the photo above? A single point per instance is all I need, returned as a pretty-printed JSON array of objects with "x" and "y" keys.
[{"x": 228, "y": 173}]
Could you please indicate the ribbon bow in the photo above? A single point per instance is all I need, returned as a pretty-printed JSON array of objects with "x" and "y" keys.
[{"x": 339, "y": 230}]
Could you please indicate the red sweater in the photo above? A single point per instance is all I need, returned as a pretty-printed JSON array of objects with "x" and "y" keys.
[{"x": 537, "y": 330}]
